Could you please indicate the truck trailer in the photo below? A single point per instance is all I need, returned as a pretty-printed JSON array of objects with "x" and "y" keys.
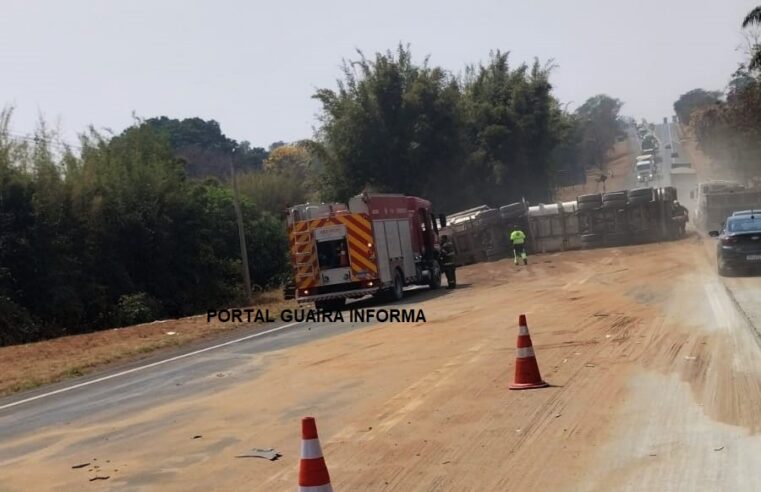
[
  {"x": 717, "y": 200},
  {"x": 376, "y": 244}
]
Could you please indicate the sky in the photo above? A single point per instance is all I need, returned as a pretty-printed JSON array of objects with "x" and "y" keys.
[{"x": 253, "y": 65}]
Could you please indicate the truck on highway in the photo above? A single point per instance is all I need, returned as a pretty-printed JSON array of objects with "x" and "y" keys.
[
  {"x": 716, "y": 200},
  {"x": 375, "y": 244},
  {"x": 644, "y": 171}
]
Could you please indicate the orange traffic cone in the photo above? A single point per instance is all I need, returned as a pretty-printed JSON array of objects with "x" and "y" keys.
[
  {"x": 313, "y": 473},
  {"x": 526, "y": 369}
]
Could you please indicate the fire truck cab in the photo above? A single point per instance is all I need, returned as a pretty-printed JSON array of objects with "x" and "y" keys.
[{"x": 376, "y": 244}]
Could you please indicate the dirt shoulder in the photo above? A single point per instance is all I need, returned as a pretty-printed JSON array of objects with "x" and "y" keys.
[{"x": 27, "y": 366}]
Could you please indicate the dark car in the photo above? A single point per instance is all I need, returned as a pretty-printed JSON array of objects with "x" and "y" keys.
[{"x": 739, "y": 246}]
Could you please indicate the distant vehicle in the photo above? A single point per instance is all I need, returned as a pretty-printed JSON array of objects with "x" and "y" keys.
[
  {"x": 668, "y": 146},
  {"x": 645, "y": 157},
  {"x": 649, "y": 144},
  {"x": 739, "y": 245},
  {"x": 718, "y": 199},
  {"x": 645, "y": 171}
]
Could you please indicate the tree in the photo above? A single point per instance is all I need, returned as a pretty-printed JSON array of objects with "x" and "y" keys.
[
  {"x": 204, "y": 149},
  {"x": 730, "y": 132},
  {"x": 693, "y": 100},
  {"x": 390, "y": 124},
  {"x": 290, "y": 160},
  {"x": 754, "y": 18},
  {"x": 509, "y": 116},
  {"x": 600, "y": 127},
  {"x": 117, "y": 234}
]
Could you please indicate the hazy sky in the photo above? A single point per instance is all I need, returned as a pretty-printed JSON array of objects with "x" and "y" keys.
[{"x": 253, "y": 65}]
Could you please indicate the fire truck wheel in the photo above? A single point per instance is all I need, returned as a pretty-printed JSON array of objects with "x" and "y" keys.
[
  {"x": 435, "y": 282},
  {"x": 397, "y": 291}
]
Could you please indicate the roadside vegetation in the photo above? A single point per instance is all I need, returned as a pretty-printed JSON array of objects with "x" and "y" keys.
[
  {"x": 129, "y": 228},
  {"x": 727, "y": 124}
]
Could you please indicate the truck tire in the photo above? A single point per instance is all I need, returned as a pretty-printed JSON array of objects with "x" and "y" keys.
[
  {"x": 512, "y": 211},
  {"x": 648, "y": 192},
  {"x": 639, "y": 199},
  {"x": 614, "y": 204},
  {"x": 435, "y": 282},
  {"x": 614, "y": 196},
  {"x": 593, "y": 198},
  {"x": 330, "y": 304},
  {"x": 397, "y": 290},
  {"x": 583, "y": 206}
]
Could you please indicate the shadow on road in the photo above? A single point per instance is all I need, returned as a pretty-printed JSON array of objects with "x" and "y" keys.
[{"x": 411, "y": 295}]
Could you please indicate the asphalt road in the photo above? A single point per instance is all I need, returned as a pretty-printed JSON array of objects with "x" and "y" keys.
[{"x": 198, "y": 370}]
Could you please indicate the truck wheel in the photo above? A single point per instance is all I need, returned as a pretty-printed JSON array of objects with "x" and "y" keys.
[
  {"x": 330, "y": 304},
  {"x": 435, "y": 282},
  {"x": 397, "y": 291}
]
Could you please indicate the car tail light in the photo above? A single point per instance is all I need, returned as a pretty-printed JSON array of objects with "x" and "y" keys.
[{"x": 729, "y": 240}]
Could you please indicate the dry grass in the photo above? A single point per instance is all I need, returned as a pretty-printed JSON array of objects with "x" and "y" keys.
[{"x": 24, "y": 367}]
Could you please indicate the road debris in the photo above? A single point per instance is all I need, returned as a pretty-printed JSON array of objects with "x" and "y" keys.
[
  {"x": 690, "y": 357},
  {"x": 718, "y": 449},
  {"x": 171, "y": 333},
  {"x": 269, "y": 454},
  {"x": 589, "y": 364},
  {"x": 81, "y": 465},
  {"x": 100, "y": 477},
  {"x": 198, "y": 436}
]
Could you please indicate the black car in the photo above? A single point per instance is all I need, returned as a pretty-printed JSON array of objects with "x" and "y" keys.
[{"x": 739, "y": 244}]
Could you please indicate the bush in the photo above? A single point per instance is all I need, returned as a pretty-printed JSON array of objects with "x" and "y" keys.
[
  {"x": 16, "y": 324},
  {"x": 133, "y": 309}
]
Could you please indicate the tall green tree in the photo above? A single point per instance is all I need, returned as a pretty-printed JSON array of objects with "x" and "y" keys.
[
  {"x": 693, "y": 100},
  {"x": 204, "y": 149},
  {"x": 754, "y": 18},
  {"x": 391, "y": 125},
  {"x": 509, "y": 116},
  {"x": 600, "y": 127}
]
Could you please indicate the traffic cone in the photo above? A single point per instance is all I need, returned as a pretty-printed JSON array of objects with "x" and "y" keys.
[
  {"x": 313, "y": 473},
  {"x": 526, "y": 369}
]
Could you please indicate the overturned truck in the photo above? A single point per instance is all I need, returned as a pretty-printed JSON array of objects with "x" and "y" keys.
[{"x": 603, "y": 219}]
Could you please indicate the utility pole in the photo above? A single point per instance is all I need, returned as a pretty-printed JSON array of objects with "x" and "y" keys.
[{"x": 241, "y": 232}]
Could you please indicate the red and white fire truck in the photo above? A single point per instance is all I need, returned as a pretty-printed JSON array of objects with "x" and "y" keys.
[{"x": 376, "y": 244}]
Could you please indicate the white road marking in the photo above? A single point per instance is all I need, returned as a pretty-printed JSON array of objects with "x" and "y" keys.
[{"x": 147, "y": 366}]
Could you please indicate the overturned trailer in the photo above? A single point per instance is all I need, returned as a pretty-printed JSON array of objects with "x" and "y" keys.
[{"x": 610, "y": 219}]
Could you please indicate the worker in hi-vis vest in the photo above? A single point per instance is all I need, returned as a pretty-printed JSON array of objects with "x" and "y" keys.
[{"x": 518, "y": 238}]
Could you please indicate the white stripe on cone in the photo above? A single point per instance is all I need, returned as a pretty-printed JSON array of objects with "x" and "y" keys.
[
  {"x": 310, "y": 449},
  {"x": 524, "y": 352},
  {"x": 523, "y": 330},
  {"x": 317, "y": 488}
]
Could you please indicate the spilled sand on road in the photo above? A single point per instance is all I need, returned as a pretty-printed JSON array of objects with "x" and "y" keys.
[{"x": 426, "y": 407}]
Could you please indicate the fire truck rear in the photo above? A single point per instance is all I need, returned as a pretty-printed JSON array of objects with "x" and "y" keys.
[{"x": 376, "y": 244}]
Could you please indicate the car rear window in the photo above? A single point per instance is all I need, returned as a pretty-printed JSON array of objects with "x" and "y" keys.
[{"x": 744, "y": 224}]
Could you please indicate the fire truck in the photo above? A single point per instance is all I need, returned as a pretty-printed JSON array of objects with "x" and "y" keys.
[{"x": 376, "y": 244}]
